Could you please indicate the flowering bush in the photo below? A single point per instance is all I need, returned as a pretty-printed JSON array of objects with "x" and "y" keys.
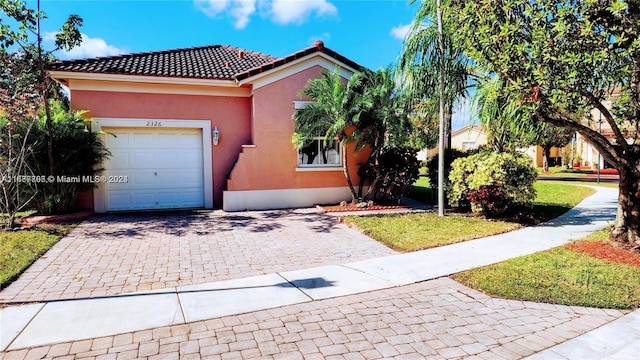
[{"x": 492, "y": 182}]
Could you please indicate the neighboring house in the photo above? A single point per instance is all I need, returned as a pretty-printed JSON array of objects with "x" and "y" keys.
[
  {"x": 587, "y": 155},
  {"x": 536, "y": 153},
  {"x": 207, "y": 127},
  {"x": 466, "y": 138}
]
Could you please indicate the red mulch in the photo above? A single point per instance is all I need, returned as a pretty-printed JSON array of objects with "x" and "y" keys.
[
  {"x": 34, "y": 219},
  {"x": 604, "y": 251},
  {"x": 606, "y": 171},
  {"x": 351, "y": 207}
]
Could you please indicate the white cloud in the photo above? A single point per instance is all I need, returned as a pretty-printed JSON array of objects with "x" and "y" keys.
[
  {"x": 240, "y": 10},
  {"x": 212, "y": 7},
  {"x": 400, "y": 32},
  {"x": 280, "y": 11},
  {"x": 287, "y": 11},
  {"x": 90, "y": 47}
]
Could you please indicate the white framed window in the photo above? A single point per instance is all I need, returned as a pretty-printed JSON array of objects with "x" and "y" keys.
[
  {"x": 467, "y": 145},
  {"x": 315, "y": 154}
]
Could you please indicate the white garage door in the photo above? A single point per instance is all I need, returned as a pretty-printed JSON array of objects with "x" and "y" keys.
[{"x": 163, "y": 169}]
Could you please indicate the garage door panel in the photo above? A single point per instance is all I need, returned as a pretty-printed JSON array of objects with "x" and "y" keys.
[
  {"x": 180, "y": 160},
  {"x": 120, "y": 159},
  {"x": 145, "y": 199},
  {"x": 143, "y": 159},
  {"x": 186, "y": 162},
  {"x": 181, "y": 140},
  {"x": 174, "y": 198},
  {"x": 164, "y": 168},
  {"x": 119, "y": 200},
  {"x": 142, "y": 141},
  {"x": 180, "y": 179},
  {"x": 141, "y": 178},
  {"x": 118, "y": 140}
]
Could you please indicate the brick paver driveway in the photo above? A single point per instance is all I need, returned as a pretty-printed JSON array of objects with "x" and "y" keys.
[
  {"x": 436, "y": 319},
  {"x": 121, "y": 253}
]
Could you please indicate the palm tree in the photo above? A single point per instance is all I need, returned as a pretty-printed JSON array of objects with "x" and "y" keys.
[
  {"x": 331, "y": 114},
  {"x": 508, "y": 126},
  {"x": 421, "y": 61},
  {"x": 382, "y": 119}
]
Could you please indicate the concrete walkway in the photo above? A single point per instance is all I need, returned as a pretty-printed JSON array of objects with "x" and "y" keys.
[{"x": 392, "y": 306}]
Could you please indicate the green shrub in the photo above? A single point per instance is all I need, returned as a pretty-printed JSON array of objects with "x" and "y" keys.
[
  {"x": 492, "y": 182},
  {"x": 450, "y": 155},
  {"x": 77, "y": 152},
  {"x": 399, "y": 169}
]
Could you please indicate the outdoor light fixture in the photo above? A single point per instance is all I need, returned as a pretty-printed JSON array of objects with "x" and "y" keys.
[{"x": 216, "y": 135}]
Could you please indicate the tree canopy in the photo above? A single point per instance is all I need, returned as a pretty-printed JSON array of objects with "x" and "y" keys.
[{"x": 562, "y": 58}]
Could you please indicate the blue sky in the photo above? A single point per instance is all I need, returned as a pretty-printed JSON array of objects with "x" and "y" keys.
[{"x": 369, "y": 32}]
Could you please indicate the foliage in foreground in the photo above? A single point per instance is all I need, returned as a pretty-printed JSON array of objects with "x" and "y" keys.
[
  {"x": 24, "y": 88},
  {"x": 560, "y": 276},
  {"x": 566, "y": 61},
  {"x": 78, "y": 153}
]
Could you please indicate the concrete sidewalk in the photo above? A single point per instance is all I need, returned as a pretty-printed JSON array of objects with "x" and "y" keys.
[{"x": 60, "y": 322}]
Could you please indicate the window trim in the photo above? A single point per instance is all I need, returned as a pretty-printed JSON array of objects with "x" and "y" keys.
[{"x": 320, "y": 167}]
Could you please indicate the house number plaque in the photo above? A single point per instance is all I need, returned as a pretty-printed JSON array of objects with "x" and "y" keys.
[{"x": 154, "y": 123}]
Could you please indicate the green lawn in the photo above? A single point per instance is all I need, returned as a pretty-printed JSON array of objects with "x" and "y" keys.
[
  {"x": 410, "y": 232},
  {"x": 605, "y": 184},
  {"x": 560, "y": 276},
  {"x": 422, "y": 190},
  {"x": 554, "y": 198},
  {"x": 20, "y": 248}
]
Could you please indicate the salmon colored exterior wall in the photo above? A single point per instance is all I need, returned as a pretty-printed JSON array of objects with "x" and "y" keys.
[
  {"x": 272, "y": 163},
  {"x": 232, "y": 116}
]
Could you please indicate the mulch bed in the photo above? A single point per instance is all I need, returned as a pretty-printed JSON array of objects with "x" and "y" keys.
[
  {"x": 35, "y": 219},
  {"x": 606, "y": 171},
  {"x": 351, "y": 207},
  {"x": 605, "y": 251}
]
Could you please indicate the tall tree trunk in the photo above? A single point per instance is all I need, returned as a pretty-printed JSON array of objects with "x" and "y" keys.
[
  {"x": 546, "y": 153},
  {"x": 44, "y": 81},
  {"x": 347, "y": 175},
  {"x": 626, "y": 227},
  {"x": 375, "y": 159}
]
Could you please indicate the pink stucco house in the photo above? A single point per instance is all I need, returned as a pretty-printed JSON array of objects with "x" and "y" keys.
[{"x": 206, "y": 127}]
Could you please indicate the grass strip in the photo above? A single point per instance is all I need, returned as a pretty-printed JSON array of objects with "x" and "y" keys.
[
  {"x": 20, "y": 248},
  {"x": 410, "y": 232},
  {"x": 560, "y": 276}
]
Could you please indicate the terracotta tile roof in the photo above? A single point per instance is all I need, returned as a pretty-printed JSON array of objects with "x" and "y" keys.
[
  {"x": 220, "y": 62},
  {"x": 207, "y": 62}
]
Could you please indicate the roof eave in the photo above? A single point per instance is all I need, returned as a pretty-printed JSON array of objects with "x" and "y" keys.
[
  {"x": 257, "y": 74},
  {"x": 64, "y": 77}
]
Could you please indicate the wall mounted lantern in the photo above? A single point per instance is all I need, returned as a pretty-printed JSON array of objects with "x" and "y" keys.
[{"x": 216, "y": 135}]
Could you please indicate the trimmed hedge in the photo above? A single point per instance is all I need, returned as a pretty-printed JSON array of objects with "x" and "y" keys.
[{"x": 492, "y": 183}]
